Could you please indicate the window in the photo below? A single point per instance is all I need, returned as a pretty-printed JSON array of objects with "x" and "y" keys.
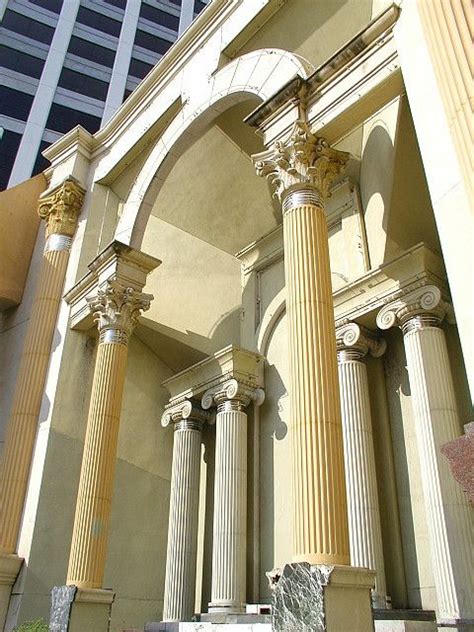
[
  {"x": 199, "y": 6},
  {"x": 21, "y": 62},
  {"x": 126, "y": 94},
  {"x": 26, "y": 26},
  {"x": 83, "y": 84},
  {"x": 52, "y": 5},
  {"x": 176, "y": 2},
  {"x": 15, "y": 103},
  {"x": 8, "y": 149},
  {"x": 91, "y": 51},
  {"x": 151, "y": 42},
  {"x": 139, "y": 68},
  {"x": 41, "y": 163},
  {"x": 63, "y": 119},
  {"x": 99, "y": 21},
  {"x": 121, "y": 4},
  {"x": 159, "y": 17}
]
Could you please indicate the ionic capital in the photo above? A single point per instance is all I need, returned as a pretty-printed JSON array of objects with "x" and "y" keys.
[
  {"x": 354, "y": 342},
  {"x": 301, "y": 161},
  {"x": 185, "y": 415},
  {"x": 116, "y": 309},
  {"x": 239, "y": 394},
  {"x": 416, "y": 309},
  {"x": 60, "y": 208}
]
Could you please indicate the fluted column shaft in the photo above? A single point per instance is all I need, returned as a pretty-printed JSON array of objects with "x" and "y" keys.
[
  {"x": 229, "y": 546},
  {"x": 365, "y": 534},
  {"x": 449, "y": 522},
  {"x": 60, "y": 209},
  {"x": 450, "y": 519},
  {"x": 319, "y": 511},
  {"x": 301, "y": 169},
  {"x": 116, "y": 309},
  {"x": 180, "y": 581}
]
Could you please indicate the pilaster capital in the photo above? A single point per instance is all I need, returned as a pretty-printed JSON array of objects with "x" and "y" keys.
[
  {"x": 414, "y": 309},
  {"x": 116, "y": 309},
  {"x": 354, "y": 341},
  {"x": 301, "y": 161},
  {"x": 60, "y": 208},
  {"x": 185, "y": 415},
  {"x": 232, "y": 391}
]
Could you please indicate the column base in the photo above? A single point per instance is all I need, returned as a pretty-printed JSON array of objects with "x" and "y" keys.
[
  {"x": 224, "y": 607},
  {"x": 318, "y": 598},
  {"x": 10, "y": 565},
  {"x": 75, "y": 609}
]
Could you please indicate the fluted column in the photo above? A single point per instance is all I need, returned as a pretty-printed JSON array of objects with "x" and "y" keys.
[
  {"x": 229, "y": 545},
  {"x": 365, "y": 534},
  {"x": 301, "y": 170},
  {"x": 60, "y": 209},
  {"x": 116, "y": 309},
  {"x": 180, "y": 580},
  {"x": 419, "y": 314}
]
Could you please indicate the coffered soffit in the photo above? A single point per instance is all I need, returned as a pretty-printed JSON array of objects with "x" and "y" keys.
[{"x": 230, "y": 362}]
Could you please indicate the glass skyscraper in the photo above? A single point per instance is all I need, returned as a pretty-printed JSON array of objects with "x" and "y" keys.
[{"x": 70, "y": 62}]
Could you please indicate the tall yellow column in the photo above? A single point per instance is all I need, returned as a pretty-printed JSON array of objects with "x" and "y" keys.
[
  {"x": 60, "y": 209},
  {"x": 301, "y": 170},
  {"x": 116, "y": 309}
]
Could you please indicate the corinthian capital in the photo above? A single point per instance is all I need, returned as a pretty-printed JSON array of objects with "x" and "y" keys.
[
  {"x": 60, "y": 208},
  {"x": 418, "y": 308},
  {"x": 353, "y": 342},
  {"x": 301, "y": 159},
  {"x": 116, "y": 309}
]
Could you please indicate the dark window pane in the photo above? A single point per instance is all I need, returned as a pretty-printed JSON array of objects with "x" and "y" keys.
[
  {"x": 15, "y": 103},
  {"x": 98, "y": 21},
  {"x": 176, "y": 2},
  {"x": 199, "y": 6},
  {"x": 151, "y": 42},
  {"x": 41, "y": 163},
  {"x": 63, "y": 119},
  {"x": 121, "y": 4},
  {"x": 51, "y": 5},
  {"x": 28, "y": 27},
  {"x": 93, "y": 52},
  {"x": 83, "y": 84},
  {"x": 139, "y": 68},
  {"x": 126, "y": 94},
  {"x": 21, "y": 62},
  {"x": 9, "y": 144},
  {"x": 159, "y": 17}
]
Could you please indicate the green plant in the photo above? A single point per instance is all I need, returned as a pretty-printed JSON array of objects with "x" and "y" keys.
[{"x": 33, "y": 626}]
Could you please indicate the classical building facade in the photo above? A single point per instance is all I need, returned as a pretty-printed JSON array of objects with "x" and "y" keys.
[{"x": 237, "y": 335}]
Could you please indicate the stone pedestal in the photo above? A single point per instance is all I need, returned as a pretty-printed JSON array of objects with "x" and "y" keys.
[
  {"x": 9, "y": 568},
  {"x": 320, "y": 598},
  {"x": 76, "y": 609}
]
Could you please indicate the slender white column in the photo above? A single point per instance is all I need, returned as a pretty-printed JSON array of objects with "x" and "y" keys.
[
  {"x": 187, "y": 15},
  {"x": 33, "y": 133},
  {"x": 229, "y": 547},
  {"x": 450, "y": 526},
  {"x": 180, "y": 582},
  {"x": 365, "y": 534}
]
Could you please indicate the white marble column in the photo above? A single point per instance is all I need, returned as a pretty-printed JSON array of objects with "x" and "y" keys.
[
  {"x": 365, "y": 534},
  {"x": 180, "y": 581},
  {"x": 229, "y": 548},
  {"x": 450, "y": 527}
]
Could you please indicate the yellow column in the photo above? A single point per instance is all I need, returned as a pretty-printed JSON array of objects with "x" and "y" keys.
[
  {"x": 60, "y": 209},
  {"x": 116, "y": 309},
  {"x": 301, "y": 170}
]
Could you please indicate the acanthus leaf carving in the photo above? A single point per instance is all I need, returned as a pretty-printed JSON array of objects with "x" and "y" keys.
[
  {"x": 60, "y": 208},
  {"x": 301, "y": 159}
]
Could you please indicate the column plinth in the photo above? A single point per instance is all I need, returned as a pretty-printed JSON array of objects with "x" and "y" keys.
[
  {"x": 419, "y": 314},
  {"x": 365, "y": 534},
  {"x": 116, "y": 309},
  {"x": 180, "y": 580},
  {"x": 229, "y": 549}
]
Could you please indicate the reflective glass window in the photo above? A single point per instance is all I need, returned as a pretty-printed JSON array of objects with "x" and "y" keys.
[
  {"x": 41, "y": 163},
  {"x": 99, "y": 21},
  {"x": 93, "y": 52},
  {"x": 151, "y": 42},
  {"x": 8, "y": 148},
  {"x": 24, "y": 25},
  {"x": 63, "y": 119},
  {"x": 139, "y": 68},
  {"x": 83, "y": 84},
  {"x": 52, "y": 5},
  {"x": 21, "y": 62},
  {"x": 159, "y": 17},
  {"x": 15, "y": 103}
]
